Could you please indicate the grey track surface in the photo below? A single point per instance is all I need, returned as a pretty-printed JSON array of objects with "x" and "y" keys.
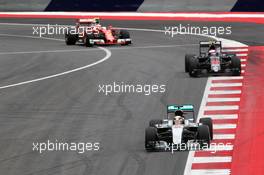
[{"x": 69, "y": 108}]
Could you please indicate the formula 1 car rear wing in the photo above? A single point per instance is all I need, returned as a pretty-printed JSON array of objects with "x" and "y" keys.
[
  {"x": 184, "y": 108},
  {"x": 209, "y": 43},
  {"x": 89, "y": 20}
]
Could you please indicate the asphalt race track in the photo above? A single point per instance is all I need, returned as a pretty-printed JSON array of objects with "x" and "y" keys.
[{"x": 69, "y": 107}]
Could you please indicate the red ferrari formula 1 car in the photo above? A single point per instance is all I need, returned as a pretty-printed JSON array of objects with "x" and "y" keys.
[{"x": 90, "y": 33}]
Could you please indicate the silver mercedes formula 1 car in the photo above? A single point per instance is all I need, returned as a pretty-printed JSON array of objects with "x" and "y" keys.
[{"x": 178, "y": 128}]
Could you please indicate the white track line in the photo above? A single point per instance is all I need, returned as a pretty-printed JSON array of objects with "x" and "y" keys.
[
  {"x": 107, "y": 56},
  {"x": 212, "y": 159},
  {"x": 223, "y": 116},
  {"x": 224, "y": 136},
  {"x": 223, "y": 99},
  {"x": 225, "y": 92},
  {"x": 224, "y": 126},
  {"x": 242, "y": 54},
  {"x": 226, "y": 84},
  {"x": 221, "y": 108},
  {"x": 227, "y": 78},
  {"x": 190, "y": 158},
  {"x": 92, "y": 49},
  {"x": 215, "y": 147},
  {"x": 47, "y": 51},
  {"x": 32, "y": 37},
  {"x": 211, "y": 172}
]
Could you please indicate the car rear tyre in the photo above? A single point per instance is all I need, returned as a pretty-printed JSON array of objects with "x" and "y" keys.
[
  {"x": 152, "y": 123},
  {"x": 150, "y": 138},
  {"x": 70, "y": 39},
  {"x": 187, "y": 61},
  {"x": 236, "y": 66},
  {"x": 204, "y": 135},
  {"x": 101, "y": 35},
  {"x": 208, "y": 122},
  {"x": 193, "y": 66}
]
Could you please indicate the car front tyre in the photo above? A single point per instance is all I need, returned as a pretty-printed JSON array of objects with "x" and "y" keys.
[
  {"x": 124, "y": 34},
  {"x": 187, "y": 61},
  {"x": 208, "y": 122},
  {"x": 150, "y": 138},
  {"x": 193, "y": 66},
  {"x": 154, "y": 122},
  {"x": 87, "y": 40},
  {"x": 236, "y": 66},
  {"x": 203, "y": 134}
]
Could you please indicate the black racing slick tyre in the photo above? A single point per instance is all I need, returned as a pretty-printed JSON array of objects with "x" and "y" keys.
[
  {"x": 193, "y": 66},
  {"x": 101, "y": 35},
  {"x": 152, "y": 123},
  {"x": 187, "y": 61},
  {"x": 208, "y": 122},
  {"x": 150, "y": 138},
  {"x": 71, "y": 39},
  {"x": 124, "y": 34},
  {"x": 236, "y": 66},
  {"x": 87, "y": 40},
  {"x": 203, "y": 135}
]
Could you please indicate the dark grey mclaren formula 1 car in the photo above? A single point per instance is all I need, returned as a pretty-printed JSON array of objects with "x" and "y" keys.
[
  {"x": 211, "y": 60},
  {"x": 178, "y": 128}
]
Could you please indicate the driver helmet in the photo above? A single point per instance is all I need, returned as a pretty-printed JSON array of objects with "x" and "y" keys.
[
  {"x": 212, "y": 46},
  {"x": 179, "y": 113},
  {"x": 178, "y": 120},
  {"x": 212, "y": 52},
  {"x": 97, "y": 20}
]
